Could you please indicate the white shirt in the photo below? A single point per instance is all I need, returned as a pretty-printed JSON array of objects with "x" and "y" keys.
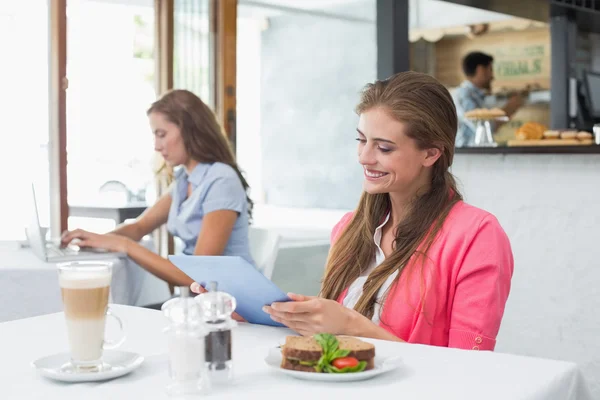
[{"x": 356, "y": 288}]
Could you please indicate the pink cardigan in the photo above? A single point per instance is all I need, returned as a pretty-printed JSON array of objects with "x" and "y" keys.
[{"x": 457, "y": 298}]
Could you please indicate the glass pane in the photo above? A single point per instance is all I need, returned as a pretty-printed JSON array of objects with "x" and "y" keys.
[
  {"x": 192, "y": 55},
  {"x": 111, "y": 85},
  {"x": 24, "y": 105},
  {"x": 301, "y": 66}
]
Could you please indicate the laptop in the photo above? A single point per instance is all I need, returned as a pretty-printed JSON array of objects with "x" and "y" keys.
[{"x": 52, "y": 251}]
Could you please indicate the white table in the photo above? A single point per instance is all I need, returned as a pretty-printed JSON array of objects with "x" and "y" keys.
[
  {"x": 117, "y": 213},
  {"x": 29, "y": 286},
  {"x": 428, "y": 372}
]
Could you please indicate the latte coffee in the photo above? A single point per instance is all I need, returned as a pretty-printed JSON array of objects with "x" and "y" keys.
[{"x": 85, "y": 300}]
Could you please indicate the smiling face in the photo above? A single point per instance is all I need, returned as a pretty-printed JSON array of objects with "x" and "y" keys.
[
  {"x": 391, "y": 160},
  {"x": 167, "y": 139}
]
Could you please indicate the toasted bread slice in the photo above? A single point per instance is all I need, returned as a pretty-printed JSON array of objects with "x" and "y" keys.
[{"x": 306, "y": 348}]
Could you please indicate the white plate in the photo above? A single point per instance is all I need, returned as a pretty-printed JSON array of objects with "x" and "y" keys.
[
  {"x": 118, "y": 363},
  {"x": 382, "y": 365}
]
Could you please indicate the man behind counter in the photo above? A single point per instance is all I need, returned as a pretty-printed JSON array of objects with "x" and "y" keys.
[{"x": 479, "y": 72}]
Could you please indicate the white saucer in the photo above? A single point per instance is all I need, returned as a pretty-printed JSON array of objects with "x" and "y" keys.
[
  {"x": 382, "y": 365},
  {"x": 116, "y": 363}
]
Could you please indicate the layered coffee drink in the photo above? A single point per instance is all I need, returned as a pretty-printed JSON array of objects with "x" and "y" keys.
[{"x": 85, "y": 300}]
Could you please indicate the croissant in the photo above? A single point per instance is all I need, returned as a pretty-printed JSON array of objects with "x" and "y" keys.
[{"x": 531, "y": 131}]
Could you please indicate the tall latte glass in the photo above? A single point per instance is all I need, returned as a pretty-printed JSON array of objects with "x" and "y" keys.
[{"x": 85, "y": 287}]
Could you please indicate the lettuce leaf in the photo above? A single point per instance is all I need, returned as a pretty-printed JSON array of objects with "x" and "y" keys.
[{"x": 330, "y": 344}]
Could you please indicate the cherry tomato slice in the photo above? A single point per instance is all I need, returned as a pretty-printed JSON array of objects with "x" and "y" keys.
[{"x": 344, "y": 362}]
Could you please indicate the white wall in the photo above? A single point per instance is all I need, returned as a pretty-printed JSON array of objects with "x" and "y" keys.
[
  {"x": 311, "y": 73},
  {"x": 549, "y": 205}
]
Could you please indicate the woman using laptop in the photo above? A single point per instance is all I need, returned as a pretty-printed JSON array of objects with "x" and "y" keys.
[
  {"x": 413, "y": 262},
  {"x": 207, "y": 206}
]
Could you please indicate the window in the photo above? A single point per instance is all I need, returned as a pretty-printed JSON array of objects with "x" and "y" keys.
[
  {"x": 111, "y": 85},
  {"x": 192, "y": 55},
  {"x": 24, "y": 105}
]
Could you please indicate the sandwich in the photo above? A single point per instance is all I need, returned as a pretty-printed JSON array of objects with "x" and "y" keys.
[{"x": 327, "y": 353}]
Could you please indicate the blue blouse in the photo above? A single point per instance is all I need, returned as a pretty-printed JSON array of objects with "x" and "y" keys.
[{"x": 214, "y": 187}]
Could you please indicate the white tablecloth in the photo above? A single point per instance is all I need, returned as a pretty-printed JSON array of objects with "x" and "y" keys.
[
  {"x": 29, "y": 286},
  {"x": 428, "y": 372}
]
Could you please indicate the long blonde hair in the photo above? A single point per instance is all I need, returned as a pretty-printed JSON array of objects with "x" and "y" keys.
[{"x": 428, "y": 112}]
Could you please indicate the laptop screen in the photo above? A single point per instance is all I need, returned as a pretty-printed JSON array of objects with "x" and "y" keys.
[{"x": 37, "y": 242}]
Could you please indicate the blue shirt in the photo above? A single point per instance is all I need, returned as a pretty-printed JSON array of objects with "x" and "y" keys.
[
  {"x": 467, "y": 97},
  {"x": 214, "y": 187}
]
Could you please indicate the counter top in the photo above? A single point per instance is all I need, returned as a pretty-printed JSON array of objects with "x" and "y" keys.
[{"x": 592, "y": 149}]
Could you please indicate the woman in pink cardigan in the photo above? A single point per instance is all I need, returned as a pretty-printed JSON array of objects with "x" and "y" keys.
[{"x": 414, "y": 262}]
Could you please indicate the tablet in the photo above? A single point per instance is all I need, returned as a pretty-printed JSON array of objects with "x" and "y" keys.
[{"x": 236, "y": 276}]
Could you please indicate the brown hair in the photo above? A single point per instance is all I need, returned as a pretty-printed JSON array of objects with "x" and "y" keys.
[
  {"x": 428, "y": 112},
  {"x": 203, "y": 138}
]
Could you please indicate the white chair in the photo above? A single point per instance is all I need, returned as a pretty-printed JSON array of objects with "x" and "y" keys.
[{"x": 264, "y": 245}]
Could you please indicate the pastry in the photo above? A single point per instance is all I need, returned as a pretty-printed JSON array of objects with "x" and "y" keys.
[
  {"x": 552, "y": 134},
  {"x": 497, "y": 112},
  {"x": 583, "y": 135},
  {"x": 568, "y": 134},
  {"x": 531, "y": 131},
  {"x": 485, "y": 113}
]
